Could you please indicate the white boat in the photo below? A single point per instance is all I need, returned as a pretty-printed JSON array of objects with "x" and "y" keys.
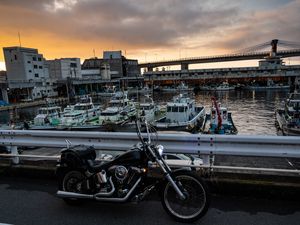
[
  {"x": 182, "y": 87},
  {"x": 119, "y": 110},
  {"x": 182, "y": 115},
  {"x": 220, "y": 87},
  {"x": 288, "y": 117},
  {"x": 219, "y": 121},
  {"x": 148, "y": 107},
  {"x": 48, "y": 116},
  {"x": 82, "y": 112},
  {"x": 270, "y": 85}
]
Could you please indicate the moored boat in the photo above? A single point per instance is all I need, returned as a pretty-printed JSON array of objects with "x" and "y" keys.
[
  {"x": 47, "y": 118},
  {"x": 270, "y": 85},
  {"x": 220, "y": 87},
  {"x": 182, "y": 115},
  {"x": 82, "y": 112},
  {"x": 288, "y": 117},
  {"x": 118, "y": 112},
  {"x": 219, "y": 121},
  {"x": 182, "y": 87}
]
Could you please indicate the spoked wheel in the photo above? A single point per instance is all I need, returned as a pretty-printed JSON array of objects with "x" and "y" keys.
[
  {"x": 72, "y": 183},
  {"x": 197, "y": 198}
]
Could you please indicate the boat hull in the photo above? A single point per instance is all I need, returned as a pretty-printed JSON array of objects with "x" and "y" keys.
[{"x": 283, "y": 125}]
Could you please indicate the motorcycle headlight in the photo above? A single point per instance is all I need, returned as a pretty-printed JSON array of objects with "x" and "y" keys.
[{"x": 160, "y": 149}]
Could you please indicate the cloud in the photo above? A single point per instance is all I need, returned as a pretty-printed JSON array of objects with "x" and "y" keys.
[
  {"x": 133, "y": 22},
  {"x": 261, "y": 26},
  {"x": 65, "y": 27}
]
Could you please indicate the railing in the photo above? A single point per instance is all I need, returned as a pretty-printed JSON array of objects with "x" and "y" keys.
[{"x": 240, "y": 145}]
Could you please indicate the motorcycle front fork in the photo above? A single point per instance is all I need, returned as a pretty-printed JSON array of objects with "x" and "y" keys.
[{"x": 167, "y": 171}]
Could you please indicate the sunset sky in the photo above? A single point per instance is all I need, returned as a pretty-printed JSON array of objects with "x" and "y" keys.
[{"x": 146, "y": 29}]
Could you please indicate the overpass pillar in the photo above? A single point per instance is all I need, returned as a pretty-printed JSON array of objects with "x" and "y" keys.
[
  {"x": 184, "y": 66},
  {"x": 149, "y": 68},
  {"x": 4, "y": 95}
]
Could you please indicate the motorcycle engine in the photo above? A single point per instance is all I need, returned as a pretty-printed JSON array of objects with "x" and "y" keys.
[
  {"x": 121, "y": 173},
  {"x": 123, "y": 178}
]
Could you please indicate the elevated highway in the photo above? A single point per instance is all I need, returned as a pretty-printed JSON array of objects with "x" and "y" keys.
[
  {"x": 291, "y": 49},
  {"x": 184, "y": 62}
]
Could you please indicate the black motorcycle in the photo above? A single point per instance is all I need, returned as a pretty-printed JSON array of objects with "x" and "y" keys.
[{"x": 128, "y": 178}]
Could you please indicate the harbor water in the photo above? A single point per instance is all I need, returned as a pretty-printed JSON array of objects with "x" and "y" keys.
[{"x": 253, "y": 111}]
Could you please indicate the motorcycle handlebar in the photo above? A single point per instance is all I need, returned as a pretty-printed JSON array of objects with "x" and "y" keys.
[{"x": 138, "y": 121}]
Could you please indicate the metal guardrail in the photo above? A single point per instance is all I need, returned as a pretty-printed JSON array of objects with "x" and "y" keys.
[
  {"x": 205, "y": 145},
  {"x": 240, "y": 145}
]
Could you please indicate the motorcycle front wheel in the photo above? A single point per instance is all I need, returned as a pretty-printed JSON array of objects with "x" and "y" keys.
[{"x": 197, "y": 198}]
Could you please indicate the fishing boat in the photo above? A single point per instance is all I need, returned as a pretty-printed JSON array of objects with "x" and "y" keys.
[
  {"x": 288, "y": 117},
  {"x": 270, "y": 85},
  {"x": 82, "y": 112},
  {"x": 149, "y": 108},
  {"x": 47, "y": 118},
  {"x": 220, "y": 87},
  {"x": 182, "y": 87},
  {"x": 182, "y": 115},
  {"x": 119, "y": 110},
  {"x": 219, "y": 121}
]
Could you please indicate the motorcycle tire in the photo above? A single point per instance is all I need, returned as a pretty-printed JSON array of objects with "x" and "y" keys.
[
  {"x": 197, "y": 199},
  {"x": 70, "y": 182}
]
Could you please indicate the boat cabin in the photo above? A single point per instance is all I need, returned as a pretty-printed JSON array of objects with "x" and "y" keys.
[
  {"x": 223, "y": 113},
  {"x": 181, "y": 109}
]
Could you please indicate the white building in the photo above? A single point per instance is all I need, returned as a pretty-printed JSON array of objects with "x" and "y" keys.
[
  {"x": 24, "y": 64},
  {"x": 61, "y": 69},
  {"x": 27, "y": 73}
]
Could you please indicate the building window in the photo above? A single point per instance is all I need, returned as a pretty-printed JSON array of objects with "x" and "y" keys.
[
  {"x": 40, "y": 59},
  {"x": 34, "y": 58},
  {"x": 35, "y": 66},
  {"x": 16, "y": 57},
  {"x": 29, "y": 71},
  {"x": 28, "y": 61},
  {"x": 36, "y": 75},
  {"x": 40, "y": 67},
  {"x": 74, "y": 65}
]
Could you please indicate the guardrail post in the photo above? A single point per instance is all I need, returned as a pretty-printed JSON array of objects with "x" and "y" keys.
[{"x": 14, "y": 151}]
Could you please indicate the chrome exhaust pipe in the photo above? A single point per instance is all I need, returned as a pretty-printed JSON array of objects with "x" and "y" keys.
[
  {"x": 107, "y": 194},
  {"x": 66, "y": 194},
  {"x": 120, "y": 199}
]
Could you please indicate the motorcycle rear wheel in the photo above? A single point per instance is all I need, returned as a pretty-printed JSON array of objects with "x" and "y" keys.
[
  {"x": 197, "y": 199},
  {"x": 71, "y": 182}
]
